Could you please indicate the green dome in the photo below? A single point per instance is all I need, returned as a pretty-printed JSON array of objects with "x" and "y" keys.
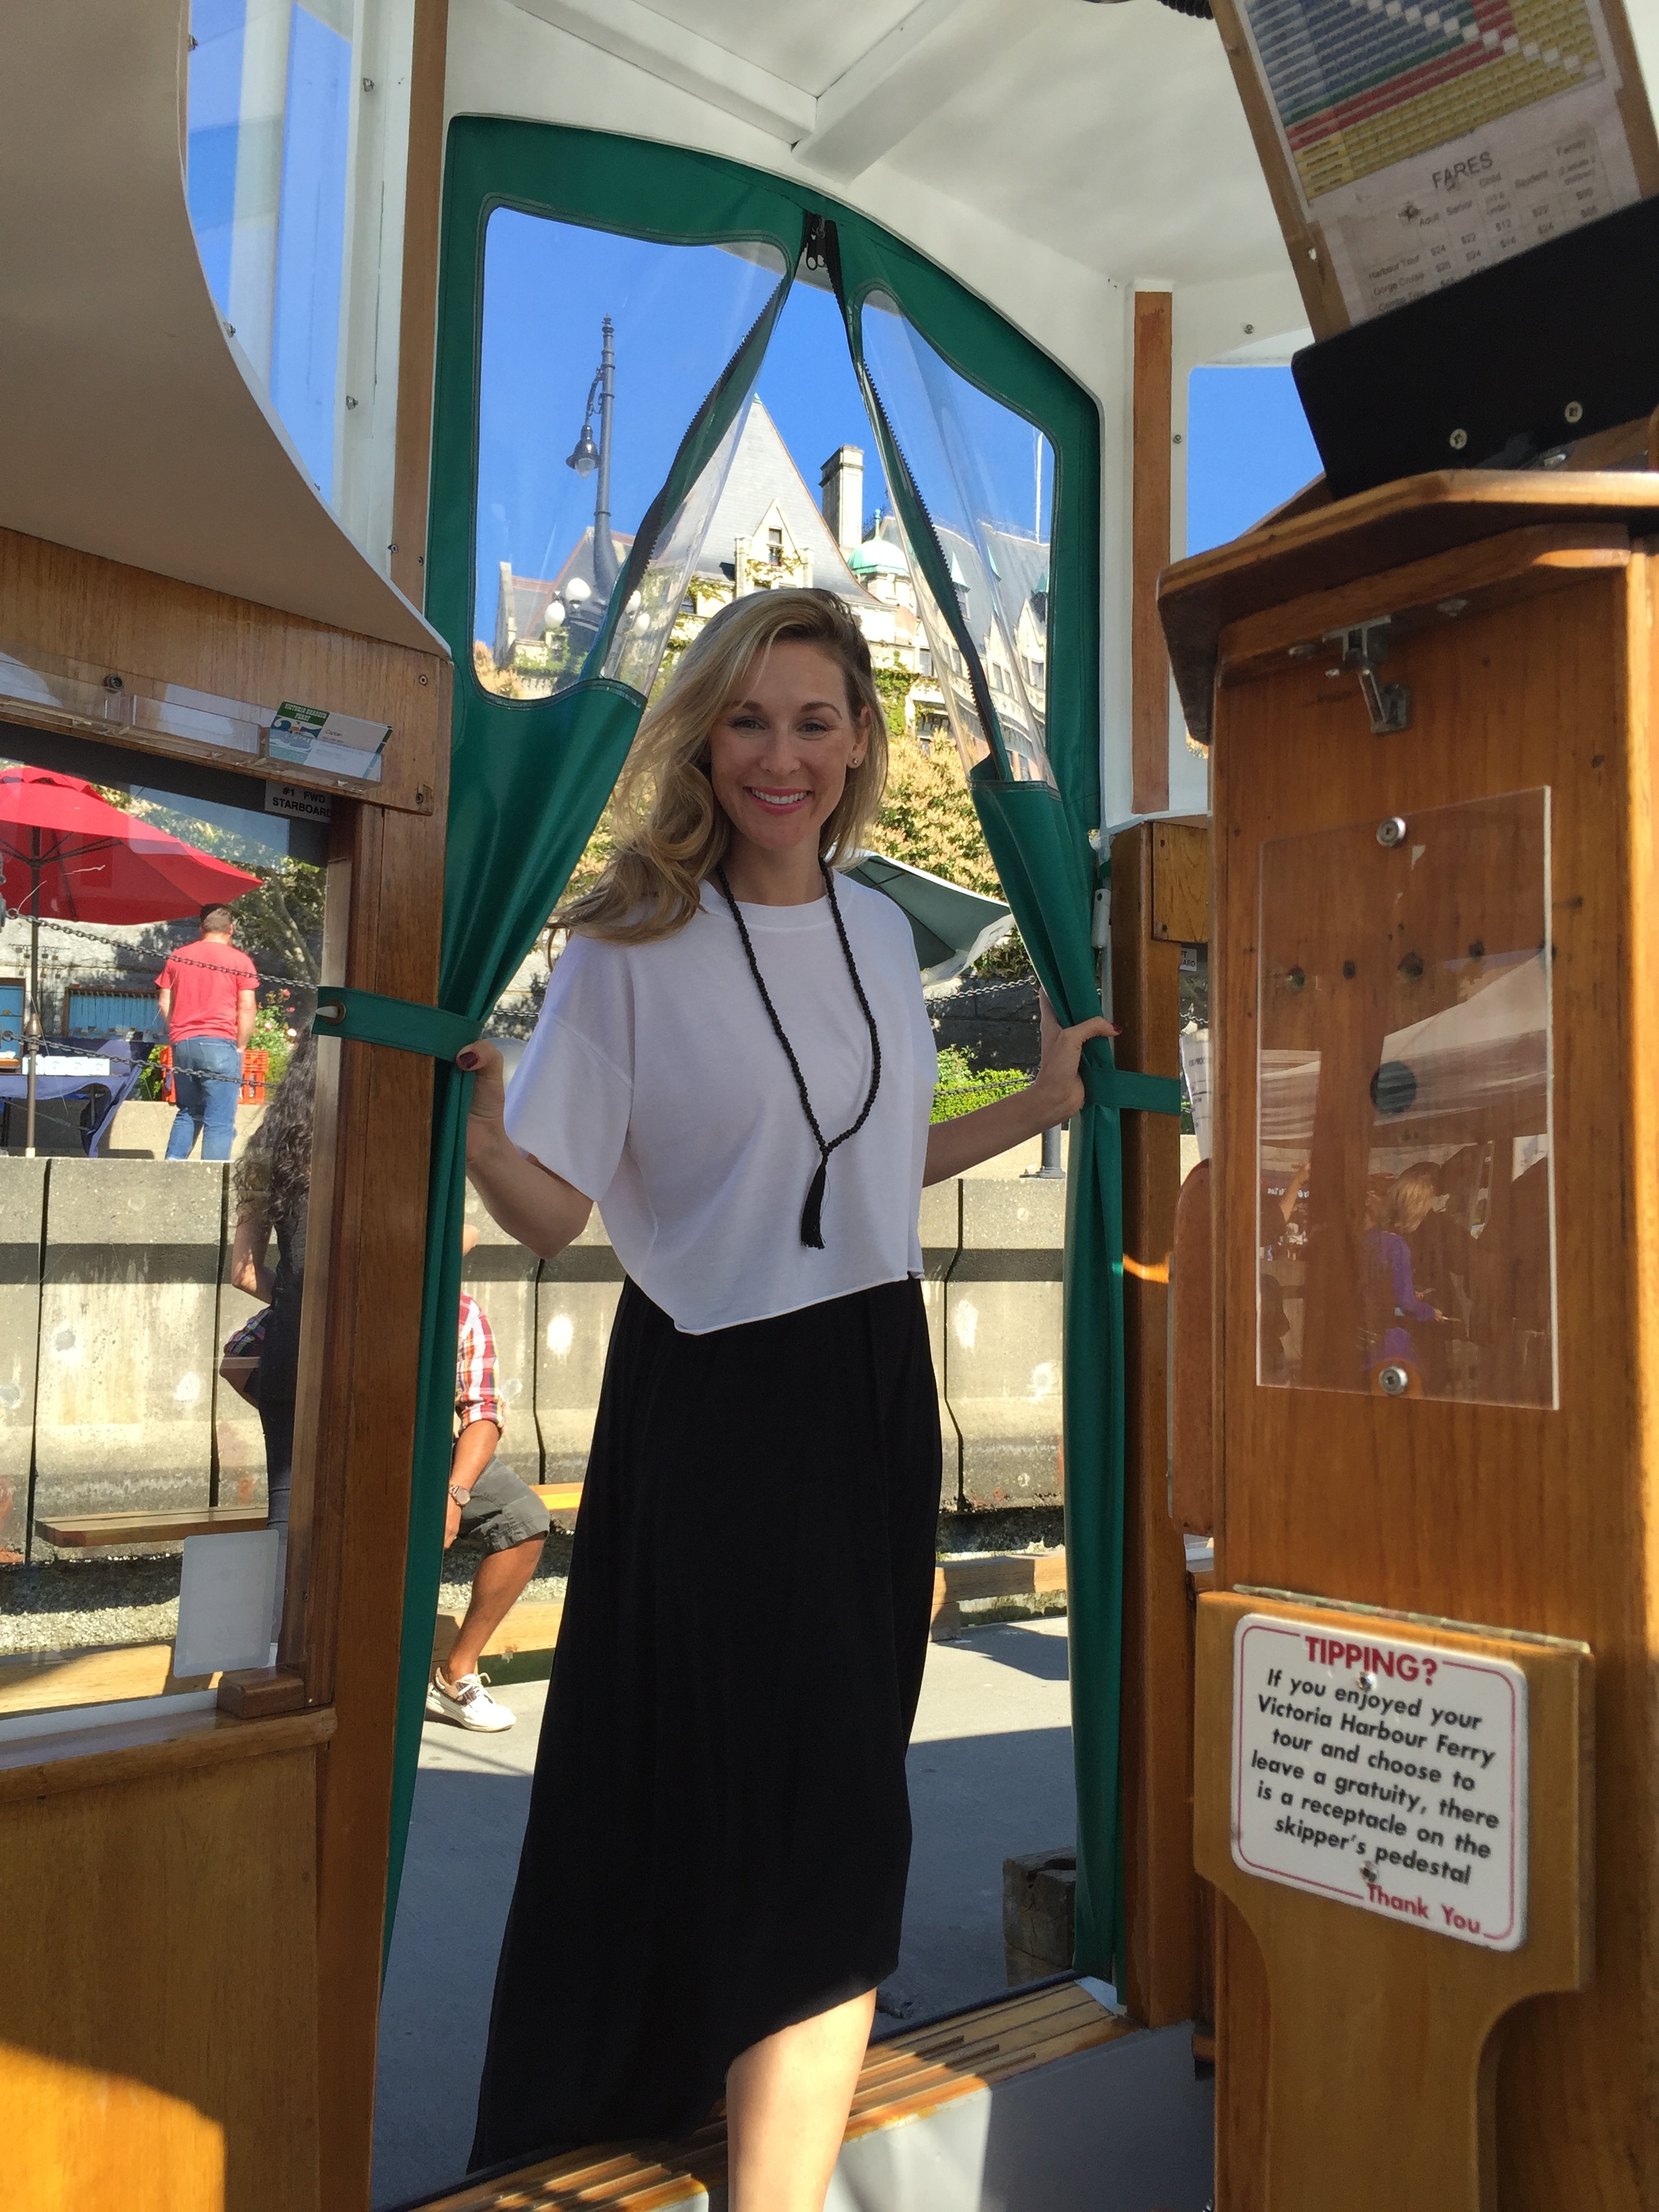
[{"x": 876, "y": 557}]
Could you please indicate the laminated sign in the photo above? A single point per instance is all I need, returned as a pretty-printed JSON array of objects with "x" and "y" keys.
[
  {"x": 1416, "y": 144},
  {"x": 314, "y": 737},
  {"x": 1386, "y": 1774}
]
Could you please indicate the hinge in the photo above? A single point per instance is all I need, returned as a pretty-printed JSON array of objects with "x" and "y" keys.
[{"x": 1364, "y": 648}]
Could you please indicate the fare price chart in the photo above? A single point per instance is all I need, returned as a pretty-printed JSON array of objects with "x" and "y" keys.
[{"x": 1430, "y": 140}]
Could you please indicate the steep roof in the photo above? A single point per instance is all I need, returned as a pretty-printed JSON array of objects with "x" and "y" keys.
[{"x": 763, "y": 472}]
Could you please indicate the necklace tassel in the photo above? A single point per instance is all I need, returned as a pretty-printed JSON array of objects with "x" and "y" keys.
[{"x": 811, "y": 1214}]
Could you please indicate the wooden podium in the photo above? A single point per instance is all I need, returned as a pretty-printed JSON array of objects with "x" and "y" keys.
[{"x": 1435, "y": 1015}]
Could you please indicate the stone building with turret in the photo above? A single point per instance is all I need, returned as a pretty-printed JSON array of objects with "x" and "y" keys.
[{"x": 766, "y": 533}]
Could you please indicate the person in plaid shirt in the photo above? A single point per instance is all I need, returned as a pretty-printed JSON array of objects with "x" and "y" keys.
[{"x": 486, "y": 1499}]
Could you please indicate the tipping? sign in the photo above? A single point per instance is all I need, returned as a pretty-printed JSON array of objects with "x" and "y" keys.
[{"x": 1385, "y": 1774}]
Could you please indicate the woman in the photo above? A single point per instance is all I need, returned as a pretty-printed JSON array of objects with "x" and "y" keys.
[
  {"x": 1390, "y": 1297},
  {"x": 272, "y": 1188},
  {"x": 734, "y": 1062}
]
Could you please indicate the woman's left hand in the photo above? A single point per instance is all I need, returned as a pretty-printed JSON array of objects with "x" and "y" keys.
[{"x": 1058, "y": 1085}]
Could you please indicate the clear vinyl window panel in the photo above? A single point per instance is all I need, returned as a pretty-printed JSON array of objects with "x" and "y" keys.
[
  {"x": 598, "y": 351},
  {"x": 986, "y": 476},
  {"x": 1406, "y": 1195},
  {"x": 273, "y": 86},
  {"x": 147, "y": 1216}
]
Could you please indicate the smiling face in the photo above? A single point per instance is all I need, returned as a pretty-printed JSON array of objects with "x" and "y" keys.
[{"x": 779, "y": 756}]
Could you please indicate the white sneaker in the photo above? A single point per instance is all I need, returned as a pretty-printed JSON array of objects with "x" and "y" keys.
[{"x": 467, "y": 1702}]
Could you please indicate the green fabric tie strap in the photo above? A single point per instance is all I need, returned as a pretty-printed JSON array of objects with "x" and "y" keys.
[
  {"x": 365, "y": 1017},
  {"x": 1127, "y": 1088}
]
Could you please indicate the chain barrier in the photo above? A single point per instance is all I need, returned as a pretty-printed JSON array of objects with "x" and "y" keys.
[{"x": 130, "y": 965}]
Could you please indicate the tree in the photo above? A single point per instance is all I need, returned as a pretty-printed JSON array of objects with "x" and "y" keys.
[
  {"x": 279, "y": 926},
  {"x": 928, "y": 817}
]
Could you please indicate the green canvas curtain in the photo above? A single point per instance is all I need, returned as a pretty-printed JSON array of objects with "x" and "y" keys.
[
  {"x": 1038, "y": 835},
  {"x": 530, "y": 781}
]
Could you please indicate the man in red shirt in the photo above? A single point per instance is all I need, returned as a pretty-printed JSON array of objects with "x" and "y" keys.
[{"x": 207, "y": 996}]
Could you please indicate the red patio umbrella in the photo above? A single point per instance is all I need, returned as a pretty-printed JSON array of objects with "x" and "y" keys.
[{"x": 67, "y": 854}]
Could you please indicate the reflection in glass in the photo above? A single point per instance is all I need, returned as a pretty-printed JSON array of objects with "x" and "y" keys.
[
  {"x": 597, "y": 350},
  {"x": 986, "y": 476},
  {"x": 125, "y": 1351},
  {"x": 1406, "y": 1208}
]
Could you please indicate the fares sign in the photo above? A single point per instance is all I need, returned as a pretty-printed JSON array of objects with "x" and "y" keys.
[{"x": 1385, "y": 1774}]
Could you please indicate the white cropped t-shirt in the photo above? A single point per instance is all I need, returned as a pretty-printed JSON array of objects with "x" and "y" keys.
[{"x": 655, "y": 1084}]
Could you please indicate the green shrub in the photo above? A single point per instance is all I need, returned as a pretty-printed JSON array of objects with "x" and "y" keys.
[{"x": 963, "y": 1088}]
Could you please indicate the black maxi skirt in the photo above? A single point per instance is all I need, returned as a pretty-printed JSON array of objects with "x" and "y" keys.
[{"x": 720, "y": 1832}]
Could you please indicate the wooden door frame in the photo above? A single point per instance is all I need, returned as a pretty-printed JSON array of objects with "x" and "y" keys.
[
  {"x": 361, "y": 1340},
  {"x": 1159, "y": 901}
]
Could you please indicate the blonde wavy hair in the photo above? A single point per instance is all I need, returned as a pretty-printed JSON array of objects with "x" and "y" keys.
[
  {"x": 1409, "y": 1199},
  {"x": 670, "y": 831}
]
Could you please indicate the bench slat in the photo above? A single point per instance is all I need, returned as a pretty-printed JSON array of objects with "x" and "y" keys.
[
  {"x": 72, "y": 1531},
  {"x": 980, "y": 2048}
]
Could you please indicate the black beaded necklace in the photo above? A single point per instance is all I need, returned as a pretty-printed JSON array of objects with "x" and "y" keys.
[{"x": 812, "y": 1215}]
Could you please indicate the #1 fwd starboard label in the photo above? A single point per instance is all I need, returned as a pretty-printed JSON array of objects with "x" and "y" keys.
[{"x": 1382, "y": 1773}]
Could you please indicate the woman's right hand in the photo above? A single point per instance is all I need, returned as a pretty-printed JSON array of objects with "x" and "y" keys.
[
  {"x": 486, "y": 1116},
  {"x": 530, "y": 1201}
]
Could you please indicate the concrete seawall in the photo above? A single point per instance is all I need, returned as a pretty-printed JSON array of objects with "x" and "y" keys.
[{"x": 115, "y": 1300}]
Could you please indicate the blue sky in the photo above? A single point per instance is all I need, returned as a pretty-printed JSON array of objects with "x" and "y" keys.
[
  {"x": 808, "y": 388},
  {"x": 1249, "y": 447},
  {"x": 679, "y": 312}
]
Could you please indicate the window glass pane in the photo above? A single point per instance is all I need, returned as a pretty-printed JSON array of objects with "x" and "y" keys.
[
  {"x": 598, "y": 351},
  {"x": 272, "y": 84},
  {"x": 1405, "y": 1223},
  {"x": 124, "y": 1281},
  {"x": 986, "y": 476}
]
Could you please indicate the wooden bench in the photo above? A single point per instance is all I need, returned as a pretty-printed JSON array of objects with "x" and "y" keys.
[
  {"x": 559, "y": 1497},
  {"x": 72, "y": 1532},
  {"x": 905, "y": 2078},
  {"x": 991, "y": 1575}
]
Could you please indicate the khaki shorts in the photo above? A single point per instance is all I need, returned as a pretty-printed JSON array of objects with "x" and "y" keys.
[{"x": 503, "y": 1511}]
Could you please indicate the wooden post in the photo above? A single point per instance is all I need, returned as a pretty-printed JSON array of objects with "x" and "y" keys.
[
  {"x": 1160, "y": 1975},
  {"x": 360, "y": 1456},
  {"x": 1479, "y": 1446},
  {"x": 1149, "y": 659},
  {"x": 1382, "y": 2067}
]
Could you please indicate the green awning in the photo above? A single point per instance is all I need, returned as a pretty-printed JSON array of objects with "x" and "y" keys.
[{"x": 951, "y": 926}]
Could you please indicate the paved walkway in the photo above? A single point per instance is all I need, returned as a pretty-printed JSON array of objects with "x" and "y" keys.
[{"x": 990, "y": 1778}]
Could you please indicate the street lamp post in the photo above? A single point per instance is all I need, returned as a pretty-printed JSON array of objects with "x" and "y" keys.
[{"x": 589, "y": 459}]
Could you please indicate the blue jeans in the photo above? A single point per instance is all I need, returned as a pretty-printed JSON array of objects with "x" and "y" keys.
[{"x": 206, "y": 1078}]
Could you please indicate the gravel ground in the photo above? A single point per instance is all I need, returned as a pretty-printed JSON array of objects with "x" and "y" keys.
[
  {"x": 1014, "y": 1529},
  {"x": 68, "y": 1604}
]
